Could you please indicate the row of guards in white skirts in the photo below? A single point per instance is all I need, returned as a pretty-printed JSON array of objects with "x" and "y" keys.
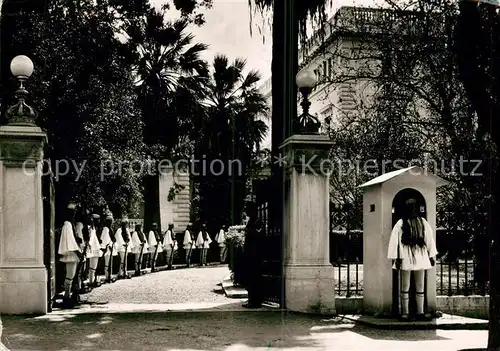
[{"x": 136, "y": 243}]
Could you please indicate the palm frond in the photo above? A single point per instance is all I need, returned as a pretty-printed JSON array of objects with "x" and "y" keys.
[{"x": 252, "y": 78}]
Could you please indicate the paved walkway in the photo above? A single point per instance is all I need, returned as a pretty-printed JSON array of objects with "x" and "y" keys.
[
  {"x": 185, "y": 309},
  {"x": 228, "y": 331},
  {"x": 193, "y": 285}
]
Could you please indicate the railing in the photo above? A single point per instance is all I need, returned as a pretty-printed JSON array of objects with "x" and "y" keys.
[
  {"x": 133, "y": 222},
  {"x": 349, "y": 278},
  {"x": 461, "y": 277},
  {"x": 346, "y": 246}
]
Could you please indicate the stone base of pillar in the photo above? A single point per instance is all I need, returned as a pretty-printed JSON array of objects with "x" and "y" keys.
[
  {"x": 23, "y": 276},
  {"x": 23, "y": 290},
  {"x": 310, "y": 288}
]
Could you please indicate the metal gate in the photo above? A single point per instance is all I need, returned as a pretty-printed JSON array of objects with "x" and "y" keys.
[
  {"x": 273, "y": 287},
  {"x": 49, "y": 252}
]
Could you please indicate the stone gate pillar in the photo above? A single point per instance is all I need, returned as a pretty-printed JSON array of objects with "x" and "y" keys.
[
  {"x": 309, "y": 275},
  {"x": 23, "y": 276}
]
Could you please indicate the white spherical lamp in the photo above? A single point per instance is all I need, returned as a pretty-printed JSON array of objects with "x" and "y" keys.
[
  {"x": 21, "y": 114},
  {"x": 21, "y": 66},
  {"x": 306, "y": 78},
  {"x": 305, "y": 123}
]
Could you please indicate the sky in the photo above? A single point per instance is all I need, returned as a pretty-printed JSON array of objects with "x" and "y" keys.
[{"x": 227, "y": 31}]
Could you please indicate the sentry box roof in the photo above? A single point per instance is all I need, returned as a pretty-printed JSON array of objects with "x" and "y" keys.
[{"x": 414, "y": 170}]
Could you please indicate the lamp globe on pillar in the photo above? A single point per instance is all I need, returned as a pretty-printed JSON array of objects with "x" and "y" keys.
[
  {"x": 21, "y": 114},
  {"x": 305, "y": 123}
]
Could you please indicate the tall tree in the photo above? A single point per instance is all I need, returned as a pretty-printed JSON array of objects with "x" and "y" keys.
[
  {"x": 70, "y": 28},
  {"x": 170, "y": 76},
  {"x": 397, "y": 85},
  {"x": 85, "y": 105},
  {"x": 477, "y": 46},
  {"x": 232, "y": 133}
]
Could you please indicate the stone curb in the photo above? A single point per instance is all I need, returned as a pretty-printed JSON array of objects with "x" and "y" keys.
[
  {"x": 231, "y": 291},
  {"x": 447, "y": 322},
  {"x": 146, "y": 312},
  {"x": 156, "y": 308}
]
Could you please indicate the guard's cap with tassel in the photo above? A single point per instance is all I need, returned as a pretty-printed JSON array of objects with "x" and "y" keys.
[
  {"x": 71, "y": 206},
  {"x": 95, "y": 216}
]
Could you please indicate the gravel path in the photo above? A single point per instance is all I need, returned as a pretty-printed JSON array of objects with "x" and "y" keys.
[{"x": 197, "y": 284}]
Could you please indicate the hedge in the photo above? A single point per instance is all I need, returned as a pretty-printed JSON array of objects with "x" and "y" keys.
[{"x": 235, "y": 240}]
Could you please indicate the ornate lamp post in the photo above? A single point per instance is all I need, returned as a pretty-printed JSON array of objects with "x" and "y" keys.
[
  {"x": 305, "y": 123},
  {"x": 308, "y": 271},
  {"x": 21, "y": 114},
  {"x": 23, "y": 282}
]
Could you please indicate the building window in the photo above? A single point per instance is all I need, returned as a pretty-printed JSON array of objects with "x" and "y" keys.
[
  {"x": 327, "y": 114},
  {"x": 330, "y": 68},
  {"x": 325, "y": 73}
]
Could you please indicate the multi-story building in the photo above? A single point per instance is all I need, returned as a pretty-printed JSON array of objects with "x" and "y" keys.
[{"x": 329, "y": 53}]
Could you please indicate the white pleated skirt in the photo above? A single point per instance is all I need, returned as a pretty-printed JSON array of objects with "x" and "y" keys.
[
  {"x": 414, "y": 260},
  {"x": 71, "y": 257},
  {"x": 94, "y": 247}
]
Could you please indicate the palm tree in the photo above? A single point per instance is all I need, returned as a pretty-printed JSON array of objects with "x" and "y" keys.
[
  {"x": 170, "y": 79},
  {"x": 233, "y": 130}
]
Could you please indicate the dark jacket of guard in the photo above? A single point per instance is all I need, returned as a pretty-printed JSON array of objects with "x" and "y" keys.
[
  {"x": 253, "y": 261},
  {"x": 140, "y": 234}
]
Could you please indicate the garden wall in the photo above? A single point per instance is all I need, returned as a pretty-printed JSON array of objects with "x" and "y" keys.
[{"x": 470, "y": 306}]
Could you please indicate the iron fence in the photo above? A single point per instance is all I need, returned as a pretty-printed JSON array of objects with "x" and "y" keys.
[
  {"x": 134, "y": 221},
  {"x": 460, "y": 277},
  {"x": 349, "y": 276}
]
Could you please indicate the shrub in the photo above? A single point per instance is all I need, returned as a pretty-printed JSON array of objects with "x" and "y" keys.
[
  {"x": 235, "y": 240},
  {"x": 235, "y": 236}
]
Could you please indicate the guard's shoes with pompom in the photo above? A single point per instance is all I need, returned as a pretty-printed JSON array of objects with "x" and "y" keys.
[{"x": 404, "y": 318}]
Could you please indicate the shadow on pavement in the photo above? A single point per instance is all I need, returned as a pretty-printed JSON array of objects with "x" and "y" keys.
[
  {"x": 398, "y": 335},
  {"x": 174, "y": 330},
  {"x": 112, "y": 308}
]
